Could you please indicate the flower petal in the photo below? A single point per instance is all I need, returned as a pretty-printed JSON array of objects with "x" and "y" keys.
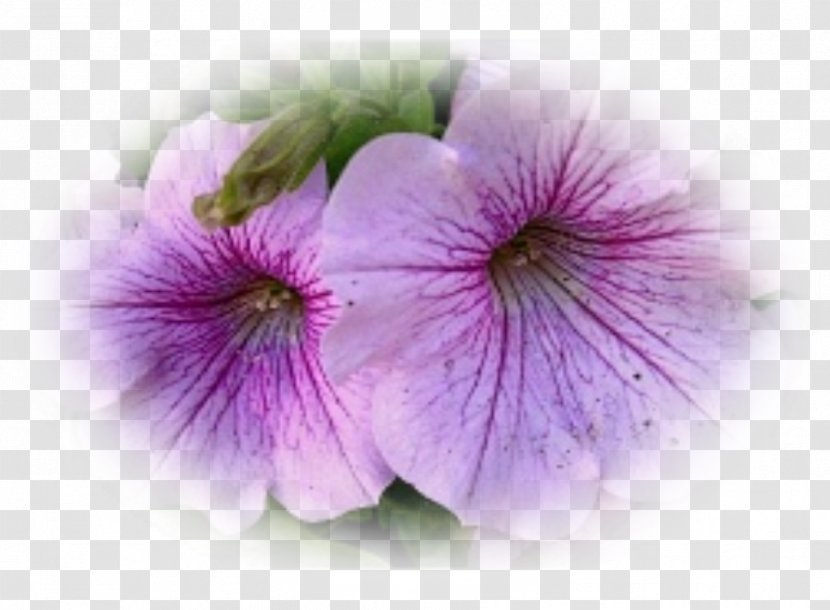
[
  {"x": 477, "y": 432},
  {"x": 381, "y": 254}
]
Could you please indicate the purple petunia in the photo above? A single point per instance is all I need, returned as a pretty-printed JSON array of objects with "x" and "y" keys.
[
  {"x": 217, "y": 335},
  {"x": 543, "y": 294}
]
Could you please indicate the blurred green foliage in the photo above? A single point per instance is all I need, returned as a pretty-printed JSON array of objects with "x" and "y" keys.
[{"x": 411, "y": 528}]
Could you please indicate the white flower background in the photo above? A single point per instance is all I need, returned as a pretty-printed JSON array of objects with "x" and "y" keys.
[{"x": 742, "y": 516}]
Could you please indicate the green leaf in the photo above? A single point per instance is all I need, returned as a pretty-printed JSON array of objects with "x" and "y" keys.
[
  {"x": 411, "y": 516},
  {"x": 421, "y": 530},
  {"x": 416, "y": 108},
  {"x": 417, "y": 530},
  {"x": 346, "y": 141},
  {"x": 414, "y": 74},
  {"x": 352, "y": 136},
  {"x": 443, "y": 87}
]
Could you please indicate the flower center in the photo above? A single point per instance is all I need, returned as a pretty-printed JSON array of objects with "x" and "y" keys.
[
  {"x": 273, "y": 296},
  {"x": 520, "y": 251},
  {"x": 273, "y": 308},
  {"x": 533, "y": 262}
]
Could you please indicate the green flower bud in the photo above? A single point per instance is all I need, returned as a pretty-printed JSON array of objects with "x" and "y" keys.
[
  {"x": 330, "y": 125},
  {"x": 277, "y": 161}
]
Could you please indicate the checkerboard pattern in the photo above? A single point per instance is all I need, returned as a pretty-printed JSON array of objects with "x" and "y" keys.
[{"x": 740, "y": 521}]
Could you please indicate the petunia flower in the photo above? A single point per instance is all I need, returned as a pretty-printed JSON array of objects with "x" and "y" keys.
[
  {"x": 217, "y": 339},
  {"x": 547, "y": 292}
]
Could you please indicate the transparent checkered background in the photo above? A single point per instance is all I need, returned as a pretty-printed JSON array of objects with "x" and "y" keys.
[{"x": 744, "y": 83}]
